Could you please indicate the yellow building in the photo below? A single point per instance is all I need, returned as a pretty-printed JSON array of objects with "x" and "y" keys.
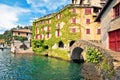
[{"x": 61, "y": 29}]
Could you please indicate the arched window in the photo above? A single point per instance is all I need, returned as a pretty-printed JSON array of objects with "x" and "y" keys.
[
  {"x": 71, "y": 43},
  {"x": 61, "y": 44}
]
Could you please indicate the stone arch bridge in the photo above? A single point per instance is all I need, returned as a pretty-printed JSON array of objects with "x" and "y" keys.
[{"x": 78, "y": 50}]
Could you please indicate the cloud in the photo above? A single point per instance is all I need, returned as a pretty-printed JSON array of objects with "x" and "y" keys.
[
  {"x": 50, "y": 5},
  {"x": 9, "y": 16}
]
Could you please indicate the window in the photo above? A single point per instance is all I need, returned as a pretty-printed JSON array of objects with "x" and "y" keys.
[
  {"x": 48, "y": 21},
  {"x": 43, "y": 22},
  {"x": 87, "y": 31},
  {"x": 47, "y": 35},
  {"x": 98, "y": 31},
  {"x": 36, "y": 36},
  {"x": 73, "y": 30},
  {"x": 42, "y": 28},
  {"x": 36, "y": 24},
  {"x": 37, "y": 31},
  {"x": 58, "y": 16},
  {"x": 40, "y": 36},
  {"x": 116, "y": 10},
  {"x": 74, "y": 10},
  {"x": 58, "y": 33},
  {"x": 87, "y": 21},
  {"x": 18, "y": 33},
  {"x": 58, "y": 25},
  {"x": 74, "y": 20},
  {"x": 48, "y": 29},
  {"x": 87, "y": 10}
]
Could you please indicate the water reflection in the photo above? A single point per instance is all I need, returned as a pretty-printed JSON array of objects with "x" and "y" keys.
[{"x": 36, "y": 68}]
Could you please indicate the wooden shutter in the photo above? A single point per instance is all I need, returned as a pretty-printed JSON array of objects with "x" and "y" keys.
[
  {"x": 87, "y": 21},
  {"x": 48, "y": 35},
  {"x": 58, "y": 25},
  {"x": 36, "y": 36},
  {"x": 58, "y": 33},
  {"x": 74, "y": 10},
  {"x": 40, "y": 36},
  {"x": 98, "y": 31},
  {"x": 73, "y": 30},
  {"x": 87, "y": 10},
  {"x": 74, "y": 20},
  {"x": 87, "y": 31},
  {"x": 48, "y": 29}
]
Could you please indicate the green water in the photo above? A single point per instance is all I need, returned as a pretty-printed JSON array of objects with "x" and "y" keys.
[{"x": 36, "y": 68}]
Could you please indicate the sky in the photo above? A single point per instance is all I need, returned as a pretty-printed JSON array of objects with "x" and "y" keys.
[{"x": 23, "y": 12}]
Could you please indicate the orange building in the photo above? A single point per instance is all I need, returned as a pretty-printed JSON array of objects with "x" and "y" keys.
[{"x": 22, "y": 32}]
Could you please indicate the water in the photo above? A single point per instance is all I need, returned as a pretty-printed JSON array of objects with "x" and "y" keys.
[{"x": 36, "y": 68}]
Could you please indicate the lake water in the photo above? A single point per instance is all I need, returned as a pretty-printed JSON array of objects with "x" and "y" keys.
[{"x": 36, "y": 68}]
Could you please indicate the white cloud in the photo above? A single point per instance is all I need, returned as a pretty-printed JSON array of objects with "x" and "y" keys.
[
  {"x": 9, "y": 16},
  {"x": 49, "y": 4}
]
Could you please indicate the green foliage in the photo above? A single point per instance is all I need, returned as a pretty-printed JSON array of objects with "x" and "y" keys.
[
  {"x": 38, "y": 46},
  {"x": 106, "y": 68},
  {"x": 20, "y": 38},
  {"x": 93, "y": 55},
  {"x": 59, "y": 53},
  {"x": 7, "y": 36},
  {"x": 67, "y": 35}
]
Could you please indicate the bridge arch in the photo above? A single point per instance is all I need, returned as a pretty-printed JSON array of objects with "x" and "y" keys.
[{"x": 76, "y": 55}]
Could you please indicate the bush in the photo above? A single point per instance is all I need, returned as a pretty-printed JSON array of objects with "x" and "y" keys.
[
  {"x": 20, "y": 38},
  {"x": 93, "y": 55}
]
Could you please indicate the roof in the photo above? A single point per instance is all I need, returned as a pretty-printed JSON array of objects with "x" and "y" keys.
[
  {"x": 23, "y": 30},
  {"x": 103, "y": 10},
  {"x": 65, "y": 7},
  {"x": 2, "y": 41}
]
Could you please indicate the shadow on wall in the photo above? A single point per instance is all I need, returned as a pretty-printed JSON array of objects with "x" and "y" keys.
[{"x": 76, "y": 55}]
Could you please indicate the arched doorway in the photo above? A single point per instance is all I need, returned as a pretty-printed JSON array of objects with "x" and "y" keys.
[
  {"x": 61, "y": 44},
  {"x": 76, "y": 55},
  {"x": 46, "y": 47},
  {"x": 71, "y": 43}
]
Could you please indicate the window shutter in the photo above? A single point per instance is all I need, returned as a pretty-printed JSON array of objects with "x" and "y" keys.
[
  {"x": 87, "y": 21},
  {"x": 98, "y": 31},
  {"x": 36, "y": 36},
  {"x": 87, "y": 10},
  {"x": 58, "y": 25},
  {"x": 58, "y": 33},
  {"x": 48, "y": 35},
  {"x": 48, "y": 29},
  {"x": 43, "y": 29},
  {"x": 40, "y": 36},
  {"x": 48, "y": 21},
  {"x": 43, "y": 22},
  {"x": 36, "y": 30},
  {"x": 73, "y": 30},
  {"x": 74, "y": 10},
  {"x": 74, "y": 20},
  {"x": 87, "y": 31}
]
